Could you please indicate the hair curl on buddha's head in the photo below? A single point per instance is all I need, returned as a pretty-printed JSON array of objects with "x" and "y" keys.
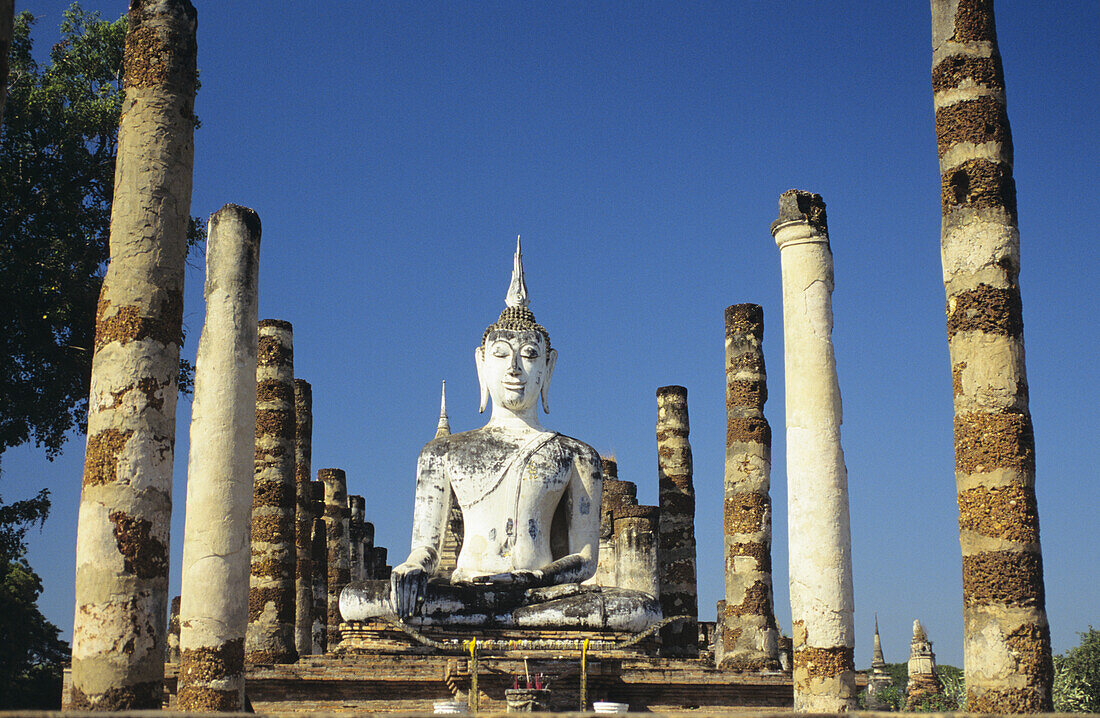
[{"x": 516, "y": 319}]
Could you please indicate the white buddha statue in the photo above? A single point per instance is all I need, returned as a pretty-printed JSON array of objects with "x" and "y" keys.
[{"x": 530, "y": 500}]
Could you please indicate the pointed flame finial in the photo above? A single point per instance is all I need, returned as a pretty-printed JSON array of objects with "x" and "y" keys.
[
  {"x": 444, "y": 426},
  {"x": 517, "y": 289}
]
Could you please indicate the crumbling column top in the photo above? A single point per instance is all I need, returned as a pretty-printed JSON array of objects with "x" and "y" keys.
[{"x": 801, "y": 219}]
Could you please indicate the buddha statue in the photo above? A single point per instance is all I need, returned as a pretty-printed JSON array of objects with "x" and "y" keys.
[{"x": 530, "y": 500}]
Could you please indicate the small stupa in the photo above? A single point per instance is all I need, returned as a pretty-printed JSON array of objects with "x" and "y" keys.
[{"x": 923, "y": 681}]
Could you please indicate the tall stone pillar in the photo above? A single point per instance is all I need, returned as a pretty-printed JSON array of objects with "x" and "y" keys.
[
  {"x": 303, "y": 517},
  {"x": 677, "y": 526},
  {"x": 336, "y": 534},
  {"x": 819, "y": 537},
  {"x": 319, "y": 555},
  {"x": 173, "y": 654},
  {"x": 216, "y": 550},
  {"x": 357, "y": 507},
  {"x": 1006, "y": 643},
  {"x": 126, "y": 499},
  {"x": 635, "y": 546},
  {"x": 749, "y": 632},
  {"x": 270, "y": 636}
]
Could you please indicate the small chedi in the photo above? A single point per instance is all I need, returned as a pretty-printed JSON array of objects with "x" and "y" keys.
[
  {"x": 879, "y": 679},
  {"x": 923, "y": 681},
  {"x": 530, "y": 502}
]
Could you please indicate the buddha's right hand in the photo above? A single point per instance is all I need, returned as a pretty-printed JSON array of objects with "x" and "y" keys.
[{"x": 408, "y": 586}]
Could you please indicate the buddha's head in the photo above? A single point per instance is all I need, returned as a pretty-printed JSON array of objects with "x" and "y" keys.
[{"x": 515, "y": 360}]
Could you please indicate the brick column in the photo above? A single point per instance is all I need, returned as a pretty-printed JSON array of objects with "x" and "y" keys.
[
  {"x": 1006, "y": 643},
  {"x": 749, "y": 633},
  {"x": 270, "y": 635},
  {"x": 676, "y": 550},
  {"x": 339, "y": 552},
  {"x": 303, "y": 517}
]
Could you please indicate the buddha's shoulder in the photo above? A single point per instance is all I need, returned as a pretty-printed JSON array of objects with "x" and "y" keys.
[
  {"x": 481, "y": 439},
  {"x": 580, "y": 450}
]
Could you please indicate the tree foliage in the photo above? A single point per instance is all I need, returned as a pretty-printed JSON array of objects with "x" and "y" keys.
[
  {"x": 1077, "y": 676},
  {"x": 32, "y": 653},
  {"x": 57, "y": 160}
]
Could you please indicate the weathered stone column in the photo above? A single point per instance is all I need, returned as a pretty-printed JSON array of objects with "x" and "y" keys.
[
  {"x": 635, "y": 544},
  {"x": 676, "y": 548},
  {"x": 357, "y": 508},
  {"x": 303, "y": 517},
  {"x": 319, "y": 555},
  {"x": 819, "y": 537},
  {"x": 616, "y": 494},
  {"x": 336, "y": 535},
  {"x": 1006, "y": 646},
  {"x": 749, "y": 631},
  {"x": 126, "y": 500},
  {"x": 271, "y": 593},
  {"x": 173, "y": 653},
  {"x": 216, "y": 550},
  {"x": 380, "y": 560}
]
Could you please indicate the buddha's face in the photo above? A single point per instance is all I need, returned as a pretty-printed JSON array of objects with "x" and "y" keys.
[{"x": 515, "y": 368}]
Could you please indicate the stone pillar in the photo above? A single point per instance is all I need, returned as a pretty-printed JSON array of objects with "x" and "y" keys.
[
  {"x": 336, "y": 535},
  {"x": 368, "y": 550},
  {"x": 635, "y": 544},
  {"x": 357, "y": 507},
  {"x": 677, "y": 525},
  {"x": 819, "y": 538},
  {"x": 126, "y": 501},
  {"x": 270, "y": 636},
  {"x": 382, "y": 569},
  {"x": 1006, "y": 643},
  {"x": 616, "y": 494},
  {"x": 216, "y": 551},
  {"x": 749, "y": 631},
  {"x": 319, "y": 554},
  {"x": 303, "y": 517},
  {"x": 173, "y": 654}
]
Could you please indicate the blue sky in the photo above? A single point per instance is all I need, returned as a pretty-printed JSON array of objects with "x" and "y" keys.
[{"x": 394, "y": 150}]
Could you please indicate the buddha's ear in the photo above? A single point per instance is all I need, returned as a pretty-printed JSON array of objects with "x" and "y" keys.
[
  {"x": 479, "y": 360},
  {"x": 551, "y": 359}
]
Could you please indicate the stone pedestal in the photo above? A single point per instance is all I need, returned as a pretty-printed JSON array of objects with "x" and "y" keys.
[
  {"x": 819, "y": 537},
  {"x": 749, "y": 631},
  {"x": 676, "y": 548},
  {"x": 216, "y": 551}
]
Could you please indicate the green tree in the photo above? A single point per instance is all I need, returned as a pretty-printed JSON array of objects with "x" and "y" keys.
[
  {"x": 57, "y": 162},
  {"x": 1077, "y": 676},
  {"x": 32, "y": 654}
]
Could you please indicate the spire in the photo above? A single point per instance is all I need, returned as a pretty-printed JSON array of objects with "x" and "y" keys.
[
  {"x": 444, "y": 426},
  {"x": 918, "y": 632},
  {"x": 877, "y": 658},
  {"x": 517, "y": 288}
]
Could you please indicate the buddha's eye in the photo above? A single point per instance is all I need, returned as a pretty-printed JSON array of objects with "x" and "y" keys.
[
  {"x": 500, "y": 350},
  {"x": 529, "y": 352}
]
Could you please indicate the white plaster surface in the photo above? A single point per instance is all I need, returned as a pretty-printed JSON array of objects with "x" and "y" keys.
[
  {"x": 216, "y": 550},
  {"x": 819, "y": 535}
]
